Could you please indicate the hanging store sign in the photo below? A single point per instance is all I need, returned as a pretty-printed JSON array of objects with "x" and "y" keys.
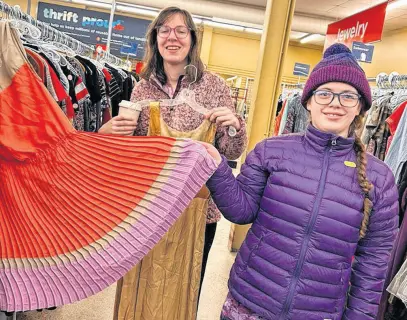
[
  {"x": 363, "y": 52},
  {"x": 301, "y": 69},
  {"x": 91, "y": 27},
  {"x": 365, "y": 27}
]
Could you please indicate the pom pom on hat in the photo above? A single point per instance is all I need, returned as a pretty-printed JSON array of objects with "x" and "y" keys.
[{"x": 335, "y": 49}]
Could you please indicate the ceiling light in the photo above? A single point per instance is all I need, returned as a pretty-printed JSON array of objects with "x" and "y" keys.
[
  {"x": 296, "y": 35},
  {"x": 197, "y": 20},
  {"x": 93, "y": 4},
  {"x": 253, "y": 30},
  {"x": 137, "y": 10},
  {"x": 224, "y": 26},
  {"x": 396, "y": 4},
  {"x": 311, "y": 37}
]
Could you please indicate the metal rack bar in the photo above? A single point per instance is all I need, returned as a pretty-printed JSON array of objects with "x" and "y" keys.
[{"x": 51, "y": 34}]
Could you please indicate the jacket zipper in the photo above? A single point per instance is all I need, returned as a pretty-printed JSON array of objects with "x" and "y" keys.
[{"x": 308, "y": 230}]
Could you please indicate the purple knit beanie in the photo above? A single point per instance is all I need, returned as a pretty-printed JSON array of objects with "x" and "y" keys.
[{"x": 338, "y": 65}]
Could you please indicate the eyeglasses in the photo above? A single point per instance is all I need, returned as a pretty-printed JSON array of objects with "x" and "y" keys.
[
  {"x": 346, "y": 99},
  {"x": 181, "y": 32}
]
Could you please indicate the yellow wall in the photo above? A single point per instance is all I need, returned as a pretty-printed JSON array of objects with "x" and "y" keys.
[
  {"x": 297, "y": 53},
  {"x": 237, "y": 54},
  {"x": 389, "y": 55},
  {"x": 234, "y": 53}
]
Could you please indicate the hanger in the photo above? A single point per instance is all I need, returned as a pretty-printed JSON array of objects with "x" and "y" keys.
[{"x": 185, "y": 96}]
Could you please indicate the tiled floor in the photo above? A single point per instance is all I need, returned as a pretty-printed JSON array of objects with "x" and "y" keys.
[{"x": 100, "y": 306}]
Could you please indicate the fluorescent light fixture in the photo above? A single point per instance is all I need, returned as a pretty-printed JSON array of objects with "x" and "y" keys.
[
  {"x": 136, "y": 10},
  {"x": 96, "y": 4},
  {"x": 224, "y": 25},
  {"x": 311, "y": 37},
  {"x": 396, "y": 4},
  {"x": 297, "y": 35},
  {"x": 253, "y": 30},
  {"x": 197, "y": 20}
]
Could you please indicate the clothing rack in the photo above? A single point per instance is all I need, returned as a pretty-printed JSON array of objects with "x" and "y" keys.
[
  {"x": 45, "y": 32},
  {"x": 292, "y": 85},
  {"x": 391, "y": 81},
  {"x": 238, "y": 94}
]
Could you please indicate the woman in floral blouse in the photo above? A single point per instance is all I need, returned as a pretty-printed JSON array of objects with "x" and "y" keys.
[{"x": 172, "y": 44}]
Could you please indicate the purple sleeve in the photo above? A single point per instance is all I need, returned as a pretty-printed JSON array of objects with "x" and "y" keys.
[
  {"x": 230, "y": 147},
  {"x": 372, "y": 256},
  {"x": 239, "y": 198}
]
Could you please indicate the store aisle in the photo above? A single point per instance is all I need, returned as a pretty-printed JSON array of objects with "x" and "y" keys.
[
  {"x": 100, "y": 306},
  {"x": 220, "y": 261}
]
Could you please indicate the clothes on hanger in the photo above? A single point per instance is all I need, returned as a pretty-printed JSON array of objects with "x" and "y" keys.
[
  {"x": 397, "y": 154},
  {"x": 376, "y": 131},
  {"x": 293, "y": 117},
  {"x": 87, "y": 91},
  {"x": 78, "y": 209},
  {"x": 388, "y": 120}
]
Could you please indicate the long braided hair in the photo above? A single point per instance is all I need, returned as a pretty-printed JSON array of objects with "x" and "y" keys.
[{"x": 361, "y": 164}]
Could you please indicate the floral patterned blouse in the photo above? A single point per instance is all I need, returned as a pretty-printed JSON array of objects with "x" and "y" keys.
[
  {"x": 210, "y": 92},
  {"x": 233, "y": 310}
]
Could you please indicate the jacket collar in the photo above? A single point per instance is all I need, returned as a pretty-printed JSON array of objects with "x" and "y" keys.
[{"x": 321, "y": 141}]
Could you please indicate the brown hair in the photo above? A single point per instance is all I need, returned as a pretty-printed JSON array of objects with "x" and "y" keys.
[
  {"x": 153, "y": 60},
  {"x": 361, "y": 164}
]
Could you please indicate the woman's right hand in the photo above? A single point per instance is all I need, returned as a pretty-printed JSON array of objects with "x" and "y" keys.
[{"x": 121, "y": 125}]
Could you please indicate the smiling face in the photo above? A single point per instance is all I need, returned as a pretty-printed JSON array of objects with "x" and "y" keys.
[
  {"x": 173, "y": 49},
  {"x": 333, "y": 117}
]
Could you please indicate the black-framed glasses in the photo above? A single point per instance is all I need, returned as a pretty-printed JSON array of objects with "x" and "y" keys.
[
  {"x": 181, "y": 32},
  {"x": 346, "y": 99}
]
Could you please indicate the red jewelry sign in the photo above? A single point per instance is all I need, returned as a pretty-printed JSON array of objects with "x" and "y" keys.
[{"x": 365, "y": 26}]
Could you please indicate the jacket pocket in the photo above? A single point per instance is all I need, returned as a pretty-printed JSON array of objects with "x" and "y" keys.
[
  {"x": 254, "y": 248},
  {"x": 344, "y": 283}
]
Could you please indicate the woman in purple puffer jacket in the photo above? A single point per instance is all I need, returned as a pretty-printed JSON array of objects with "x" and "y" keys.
[{"x": 324, "y": 212}]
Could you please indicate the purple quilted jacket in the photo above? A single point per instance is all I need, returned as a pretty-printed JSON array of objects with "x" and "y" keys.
[{"x": 302, "y": 195}]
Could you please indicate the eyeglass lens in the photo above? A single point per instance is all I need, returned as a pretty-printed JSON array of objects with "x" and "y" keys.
[
  {"x": 180, "y": 31},
  {"x": 346, "y": 99}
]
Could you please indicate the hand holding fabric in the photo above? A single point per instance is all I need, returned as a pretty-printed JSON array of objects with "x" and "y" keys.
[
  {"x": 213, "y": 152},
  {"x": 224, "y": 117}
]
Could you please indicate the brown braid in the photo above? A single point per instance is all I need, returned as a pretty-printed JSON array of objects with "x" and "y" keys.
[{"x": 361, "y": 164}]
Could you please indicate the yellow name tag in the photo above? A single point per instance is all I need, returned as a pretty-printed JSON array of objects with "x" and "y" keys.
[{"x": 350, "y": 164}]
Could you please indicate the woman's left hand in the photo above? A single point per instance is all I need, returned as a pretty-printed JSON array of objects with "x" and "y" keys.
[{"x": 223, "y": 117}]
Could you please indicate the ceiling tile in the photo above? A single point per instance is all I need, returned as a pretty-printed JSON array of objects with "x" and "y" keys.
[
  {"x": 399, "y": 6},
  {"x": 395, "y": 23},
  {"x": 395, "y": 13},
  {"x": 260, "y": 3},
  {"x": 355, "y": 7},
  {"x": 321, "y": 7},
  {"x": 341, "y": 12},
  {"x": 332, "y": 2}
]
